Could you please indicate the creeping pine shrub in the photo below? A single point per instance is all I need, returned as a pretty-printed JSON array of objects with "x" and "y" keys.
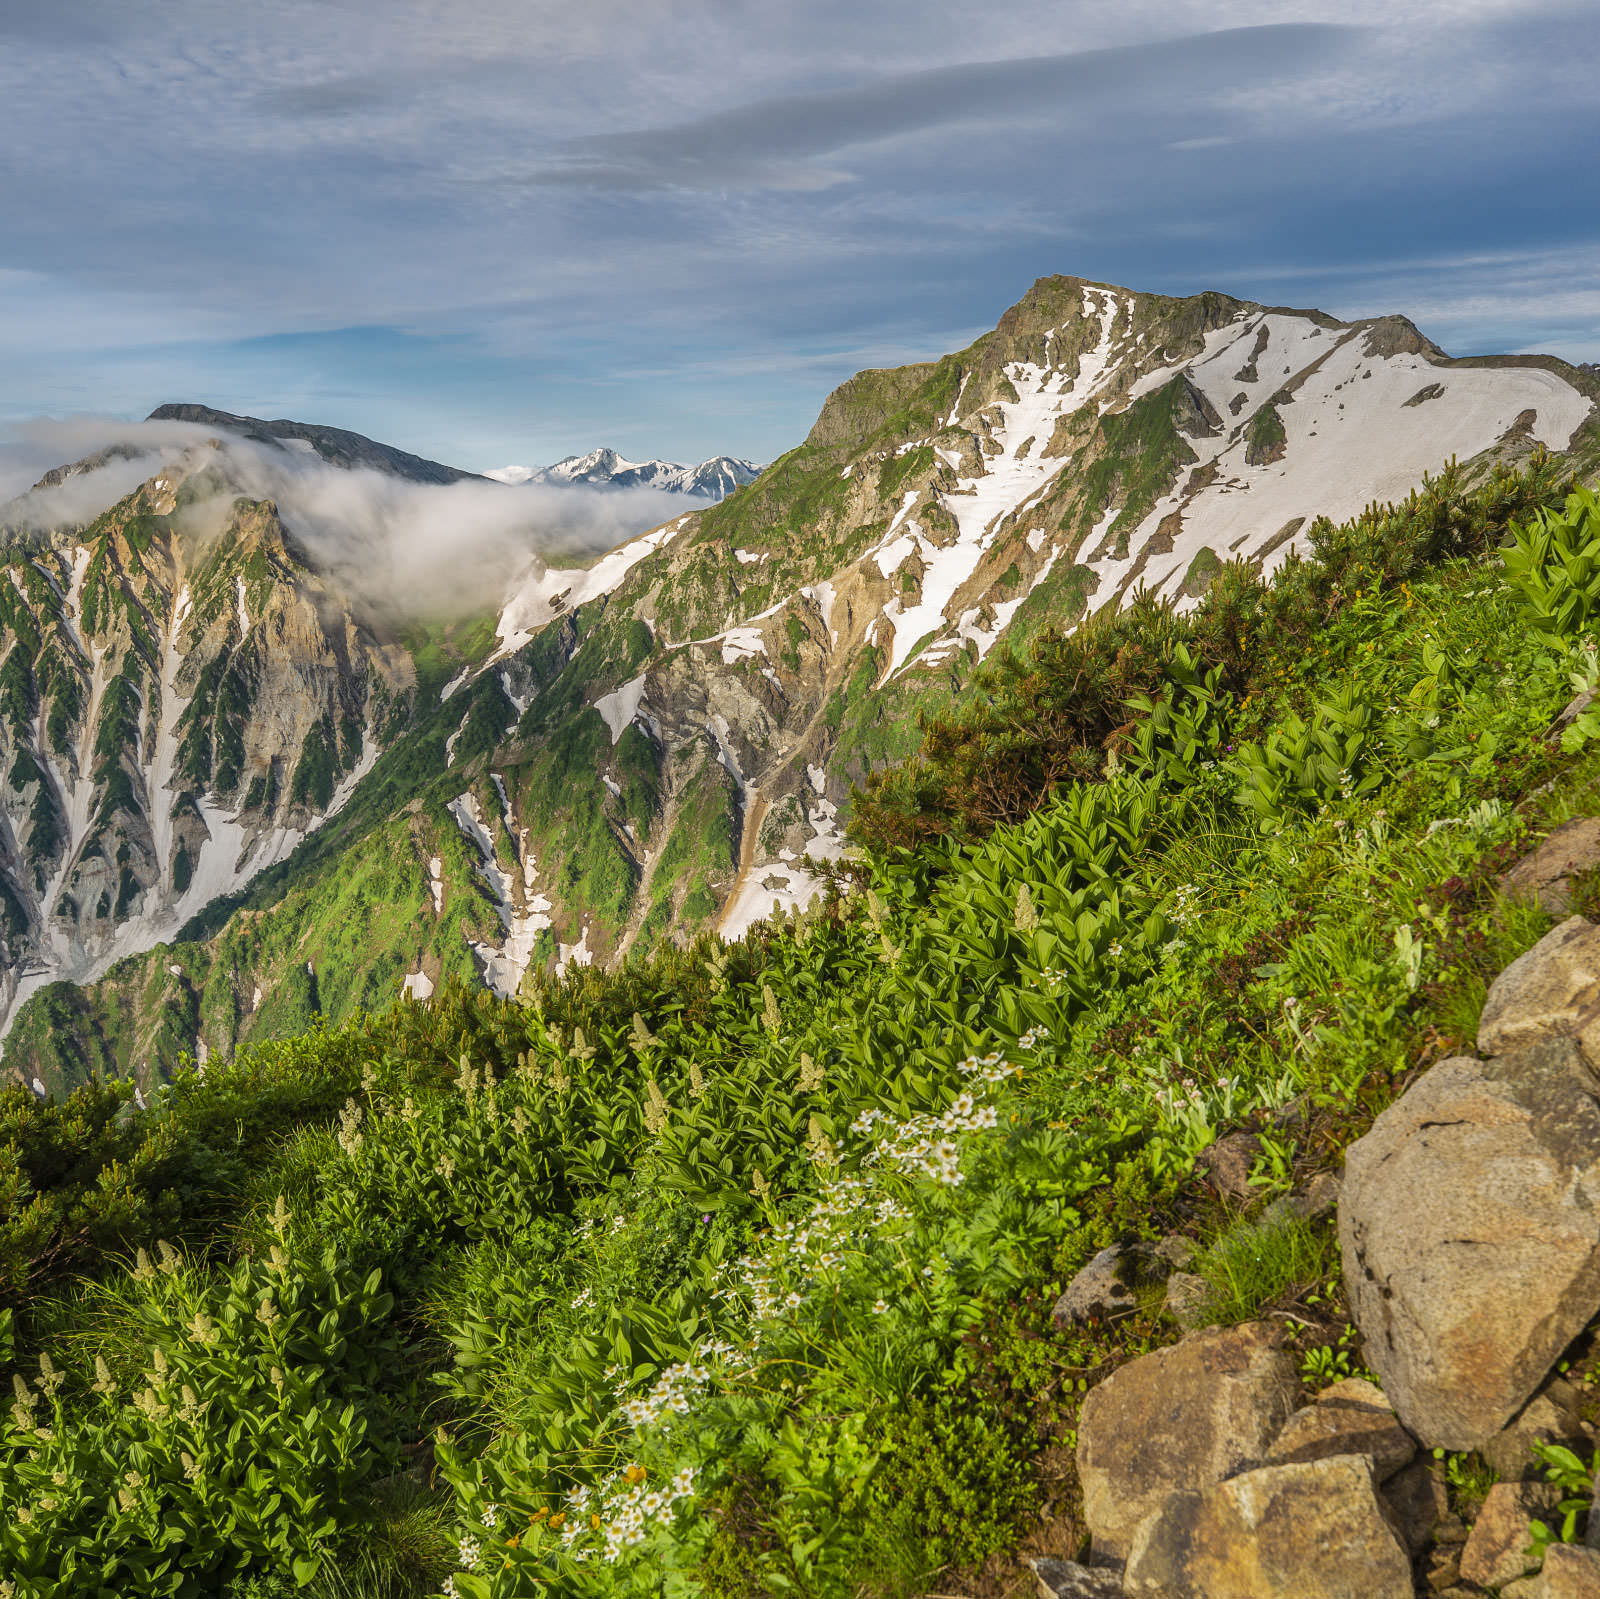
[
  {"x": 234, "y": 1447},
  {"x": 1554, "y": 566}
]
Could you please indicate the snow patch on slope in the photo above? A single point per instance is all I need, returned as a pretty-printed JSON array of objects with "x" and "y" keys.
[
  {"x": 618, "y": 708},
  {"x": 523, "y": 912},
  {"x": 1351, "y": 438},
  {"x": 549, "y": 591},
  {"x": 1009, "y": 479}
]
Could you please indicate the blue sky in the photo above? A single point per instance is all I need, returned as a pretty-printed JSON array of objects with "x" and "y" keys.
[{"x": 493, "y": 232}]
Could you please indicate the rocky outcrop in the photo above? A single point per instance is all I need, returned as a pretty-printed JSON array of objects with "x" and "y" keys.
[
  {"x": 1547, "y": 877},
  {"x": 1502, "y": 1536},
  {"x": 1312, "y": 1530},
  {"x": 1551, "y": 991},
  {"x": 1179, "y": 1420},
  {"x": 1471, "y": 1255}
]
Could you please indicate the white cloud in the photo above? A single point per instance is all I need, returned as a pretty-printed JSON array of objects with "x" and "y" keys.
[{"x": 405, "y": 548}]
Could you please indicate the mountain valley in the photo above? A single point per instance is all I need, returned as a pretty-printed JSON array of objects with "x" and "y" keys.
[{"x": 236, "y": 797}]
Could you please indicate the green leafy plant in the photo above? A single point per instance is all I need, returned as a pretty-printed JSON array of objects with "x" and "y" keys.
[
  {"x": 1554, "y": 567},
  {"x": 1576, "y": 1481},
  {"x": 232, "y": 1444},
  {"x": 1303, "y": 765}
]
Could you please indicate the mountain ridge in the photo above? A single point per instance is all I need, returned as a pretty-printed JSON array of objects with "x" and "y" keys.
[
  {"x": 667, "y": 741},
  {"x": 337, "y": 446},
  {"x": 604, "y": 468}
]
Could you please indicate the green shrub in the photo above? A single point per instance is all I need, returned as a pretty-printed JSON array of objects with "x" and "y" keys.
[
  {"x": 951, "y": 1484},
  {"x": 238, "y": 1443}
]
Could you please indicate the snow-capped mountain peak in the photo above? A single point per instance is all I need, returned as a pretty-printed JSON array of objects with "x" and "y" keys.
[{"x": 604, "y": 468}]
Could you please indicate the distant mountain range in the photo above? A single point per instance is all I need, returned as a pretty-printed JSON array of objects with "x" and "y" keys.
[
  {"x": 714, "y": 479},
  {"x": 231, "y": 799},
  {"x": 711, "y": 480}
]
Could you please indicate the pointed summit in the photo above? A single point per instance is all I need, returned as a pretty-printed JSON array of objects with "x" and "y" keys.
[{"x": 605, "y": 468}]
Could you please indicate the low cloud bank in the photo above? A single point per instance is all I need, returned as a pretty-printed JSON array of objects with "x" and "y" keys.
[{"x": 408, "y": 550}]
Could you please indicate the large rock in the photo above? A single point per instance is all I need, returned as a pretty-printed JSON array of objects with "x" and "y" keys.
[
  {"x": 1181, "y": 1418},
  {"x": 1570, "y": 1572},
  {"x": 1468, "y": 1227},
  {"x": 1350, "y": 1418},
  {"x": 1546, "y": 877},
  {"x": 1305, "y": 1531},
  {"x": 1549, "y": 991},
  {"x": 1497, "y": 1550},
  {"x": 1551, "y": 1416},
  {"x": 1066, "y": 1579},
  {"x": 1101, "y": 1291}
]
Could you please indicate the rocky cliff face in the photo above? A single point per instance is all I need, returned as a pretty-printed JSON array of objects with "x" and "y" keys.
[
  {"x": 664, "y": 742},
  {"x": 183, "y": 700}
]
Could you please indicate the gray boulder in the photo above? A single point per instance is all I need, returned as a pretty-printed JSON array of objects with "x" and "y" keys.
[
  {"x": 1180, "y": 1418},
  {"x": 1099, "y": 1292},
  {"x": 1312, "y": 1530},
  {"x": 1549, "y": 991},
  {"x": 1469, "y": 1238}
]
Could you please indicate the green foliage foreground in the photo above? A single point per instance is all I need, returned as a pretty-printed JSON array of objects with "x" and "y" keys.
[{"x": 729, "y": 1272}]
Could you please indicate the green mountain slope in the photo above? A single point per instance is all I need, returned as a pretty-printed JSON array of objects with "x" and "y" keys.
[
  {"x": 729, "y": 1271},
  {"x": 667, "y": 742},
  {"x": 184, "y": 698}
]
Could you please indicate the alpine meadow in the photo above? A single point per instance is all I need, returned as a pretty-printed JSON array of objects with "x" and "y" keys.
[{"x": 849, "y": 1044}]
